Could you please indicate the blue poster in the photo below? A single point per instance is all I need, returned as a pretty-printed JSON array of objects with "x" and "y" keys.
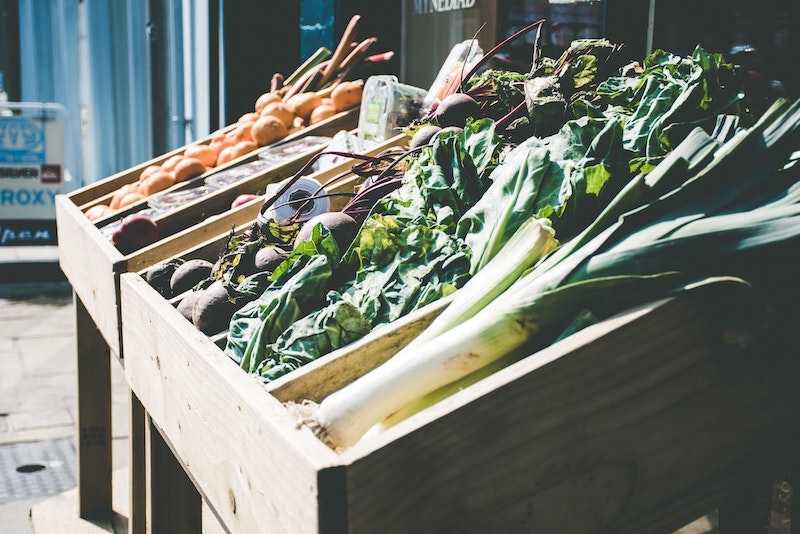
[{"x": 22, "y": 140}]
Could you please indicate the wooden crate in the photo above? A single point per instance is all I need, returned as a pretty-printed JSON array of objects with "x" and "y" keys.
[
  {"x": 93, "y": 265},
  {"x": 638, "y": 424}
]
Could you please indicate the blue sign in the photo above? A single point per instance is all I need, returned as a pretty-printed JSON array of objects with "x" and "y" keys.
[{"x": 22, "y": 140}]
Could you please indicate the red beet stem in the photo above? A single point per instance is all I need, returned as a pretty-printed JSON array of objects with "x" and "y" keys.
[{"x": 499, "y": 46}]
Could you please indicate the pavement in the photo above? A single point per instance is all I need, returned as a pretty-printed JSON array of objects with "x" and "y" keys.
[{"x": 38, "y": 384}]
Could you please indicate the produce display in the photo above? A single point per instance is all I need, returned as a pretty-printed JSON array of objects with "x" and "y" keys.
[
  {"x": 504, "y": 169},
  {"x": 245, "y": 267},
  {"x": 721, "y": 209},
  {"x": 320, "y": 88}
]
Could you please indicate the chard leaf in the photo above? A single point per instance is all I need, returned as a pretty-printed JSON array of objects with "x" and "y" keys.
[
  {"x": 584, "y": 70},
  {"x": 321, "y": 242},
  {"x": 596, "y": 177},
  {"x": 314, "y": 335},
  {"x": 259, "y": 323}
]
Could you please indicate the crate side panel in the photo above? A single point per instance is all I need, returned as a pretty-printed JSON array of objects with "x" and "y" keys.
[
  {"x": 238, "y": 443},
  {"x": 89, "y": 262},
  {"x": 603, "y": 432}
]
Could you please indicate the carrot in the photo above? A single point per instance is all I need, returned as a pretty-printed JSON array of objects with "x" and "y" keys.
[
  {"x": 357, "y": 52},
  {"x": 276, "y": 83},
  {"x": 341, "y": 50}
]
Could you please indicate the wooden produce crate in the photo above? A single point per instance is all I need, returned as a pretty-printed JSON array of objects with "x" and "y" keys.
[
  {"x": 92, "y": 264},
  {"x": 638, "y": 424},
  {"x": 98, "y": 281}
]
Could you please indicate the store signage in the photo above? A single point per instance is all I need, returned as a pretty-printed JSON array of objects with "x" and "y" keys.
[
  {"x": 31, "y": 172},
  {"x": 22, "y": 140},
  {"x": 27, "y": 232},
  {"x": 425, "y": 7}
]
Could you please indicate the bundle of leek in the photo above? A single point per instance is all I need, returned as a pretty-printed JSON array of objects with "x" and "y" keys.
[{"x": 709, "y": 211}]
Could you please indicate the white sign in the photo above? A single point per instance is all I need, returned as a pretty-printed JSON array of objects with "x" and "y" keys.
[
  {"x": 32, "y": 169},
  {"x": 424, "y": 7}
]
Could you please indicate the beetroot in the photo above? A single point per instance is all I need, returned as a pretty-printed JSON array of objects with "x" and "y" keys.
[
  {"x": 189, "y": 275},
  {"x": 135, "y": 232},
  {"x": 186, "y": 305},
  {"x": 268, "y": 258},
  {"x": 340, "y": 225},
  {"x": 455, "y": 109},
  {"x": 213, "y": 309},
  {"x": 242, "y": 199},
  {"x": 424, "y": 136},
  {"x": 159, "y": 277}
]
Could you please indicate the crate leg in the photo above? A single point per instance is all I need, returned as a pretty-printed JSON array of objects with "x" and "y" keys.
[
  {"x": 174, "y": 505},
  {"x": 746, "y": 510},
  {"x": 137, "y": 510},
  {"x": 94, "y": 418}
]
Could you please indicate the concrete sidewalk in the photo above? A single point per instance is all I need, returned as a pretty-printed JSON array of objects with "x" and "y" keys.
[{"x": 38, "y": 384}]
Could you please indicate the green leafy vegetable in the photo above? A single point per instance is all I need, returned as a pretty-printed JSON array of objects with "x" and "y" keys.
[
  {"x": 292, "y": 294},
  {"x": 405, "y": 256},
  {"x": 734, "y": 218}
]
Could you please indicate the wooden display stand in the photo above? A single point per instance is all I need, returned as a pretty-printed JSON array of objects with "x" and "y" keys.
[
  {"x": 638, "y": 424},
  {"x": 93, "y": 265}
]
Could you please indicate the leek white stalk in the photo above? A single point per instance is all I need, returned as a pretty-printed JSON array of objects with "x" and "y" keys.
[
  {"x": 420, "y": 368},
  {"x": 347, "y": 414},
  {"x": 687, "y": 235},
  {"x": 533, "y": 240},
  {"x": 440, "y": 394}
]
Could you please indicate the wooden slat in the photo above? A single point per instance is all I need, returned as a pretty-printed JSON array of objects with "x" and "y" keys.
[
  {"x": 94, "y": 418},
  {"x": 89, "y": 262},
  {"x": 635, "y": 425},
  {"x": 333, "y": 371},
  {"x": 255, "y": 469},
  {"x": 137, "y": 488},
  {"x": 173, "y": 504}
]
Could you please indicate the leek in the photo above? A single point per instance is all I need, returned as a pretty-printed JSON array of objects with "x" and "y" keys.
[
  {"x": 534, "y": 239},
  {"x": 498, "y": 330},
  {"x": 730, "y": 216}
]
